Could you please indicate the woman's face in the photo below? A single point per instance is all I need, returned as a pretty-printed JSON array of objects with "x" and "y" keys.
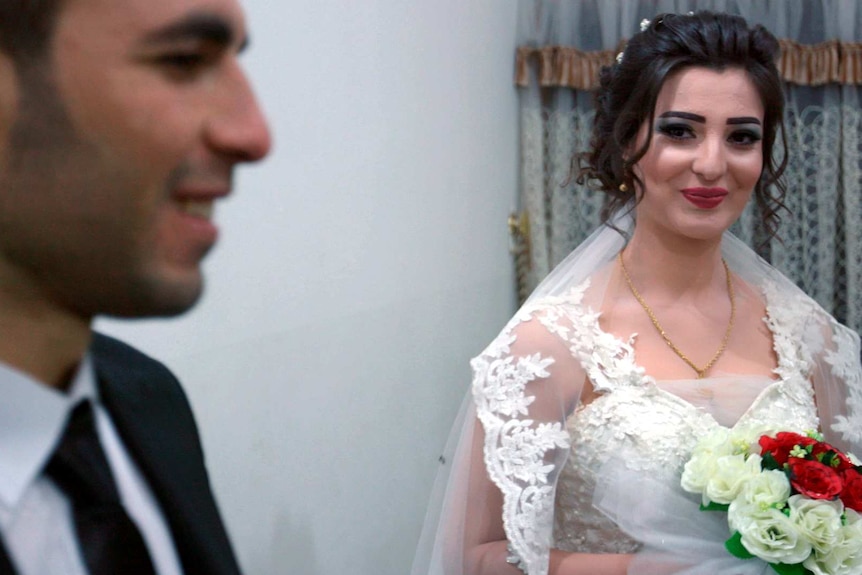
[{"x": 706, "y": 154}]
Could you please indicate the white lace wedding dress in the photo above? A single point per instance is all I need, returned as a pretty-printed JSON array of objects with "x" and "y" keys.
[{"x": 549, "y": 451}]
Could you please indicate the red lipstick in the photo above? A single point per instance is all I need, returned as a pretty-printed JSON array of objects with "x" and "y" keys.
[{"x": 705, "y": 198}]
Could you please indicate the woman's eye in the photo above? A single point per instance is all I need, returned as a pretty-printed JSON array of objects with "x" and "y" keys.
[
  {"x": 745, "y": 138},
  {"x": 676, "y": 131}
]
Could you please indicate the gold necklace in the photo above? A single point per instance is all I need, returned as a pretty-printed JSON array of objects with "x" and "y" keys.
[{"x": 701, "y": 372}]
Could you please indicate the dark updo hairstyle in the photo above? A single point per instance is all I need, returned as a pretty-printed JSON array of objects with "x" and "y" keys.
[{"x": 629, "y": 90}]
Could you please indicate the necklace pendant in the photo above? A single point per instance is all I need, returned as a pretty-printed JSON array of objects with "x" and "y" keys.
[{"x": 701, "y": 373}]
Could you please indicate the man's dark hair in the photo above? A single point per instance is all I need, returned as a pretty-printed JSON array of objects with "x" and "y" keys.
[{"x": 26, "y": 28}]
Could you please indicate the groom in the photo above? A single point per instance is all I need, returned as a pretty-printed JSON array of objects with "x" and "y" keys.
[{"x": 120, "y": 124}]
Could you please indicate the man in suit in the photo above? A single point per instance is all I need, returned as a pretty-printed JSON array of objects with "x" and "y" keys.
[{"x": 120, "y": 124}]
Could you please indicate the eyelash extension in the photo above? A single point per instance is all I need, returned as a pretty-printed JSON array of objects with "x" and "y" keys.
[
  {"x": 751, "y": 137},
  {"x": 677, "y": 131},
  {"x": 674, "y": 131}
]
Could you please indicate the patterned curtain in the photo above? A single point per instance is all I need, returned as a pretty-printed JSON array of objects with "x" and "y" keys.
[{"x": 564, "y": 43}]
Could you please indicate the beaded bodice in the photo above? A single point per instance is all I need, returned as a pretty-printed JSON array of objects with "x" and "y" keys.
[{"x": 657, "y": 428}]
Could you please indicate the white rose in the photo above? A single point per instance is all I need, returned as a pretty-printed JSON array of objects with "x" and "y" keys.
[
  {"x": 733, "y": 472},
  {"x": 766, "y": 488},
  {"x": 845, "y": 555},
  {"x": 698, "y": 471},
  {"x": 818, "y": 520},
  {"x": 703, "y": 463},
  {"x": 717, "y": 443},
  {"x": 768, "y": 533}
]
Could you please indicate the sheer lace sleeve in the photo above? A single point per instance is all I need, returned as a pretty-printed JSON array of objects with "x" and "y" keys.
[
  {"x": 833, "y": 351},
  {"x": 524, "y": 386},
  {"x": 815, "y": 344}
]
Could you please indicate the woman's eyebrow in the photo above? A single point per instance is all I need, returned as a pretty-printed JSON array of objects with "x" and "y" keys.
[
  {"x": 685, "y": 116},
  {"x": 702, "y": 120},
  {"x": 743, "y": 120}
]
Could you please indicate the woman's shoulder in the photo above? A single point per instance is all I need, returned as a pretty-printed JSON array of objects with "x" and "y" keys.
[
  {"x": 559, "y": 337},
  {"x": 546, "y": 325}
]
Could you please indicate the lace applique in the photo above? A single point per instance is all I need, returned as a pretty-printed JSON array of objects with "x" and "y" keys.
[
  {"x": 800, "y": 329},
  {"x": 844, "y": 361},
  {"x": 786, "y": 318},
  {"x": 609, "y": 361},
  {"x": 517, "y": 450}
]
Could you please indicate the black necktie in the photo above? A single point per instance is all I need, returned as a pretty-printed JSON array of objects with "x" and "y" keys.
[{"x": 110, "y": 542}]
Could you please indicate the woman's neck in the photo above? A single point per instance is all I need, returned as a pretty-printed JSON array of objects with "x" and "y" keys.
[{"x": 674, "y": 267}]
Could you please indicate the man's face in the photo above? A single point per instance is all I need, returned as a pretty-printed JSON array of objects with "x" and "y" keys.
[{"x": 113, "y": 153}]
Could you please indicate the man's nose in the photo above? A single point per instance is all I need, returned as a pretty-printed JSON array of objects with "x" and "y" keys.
[{"x": 238, "y": 127}]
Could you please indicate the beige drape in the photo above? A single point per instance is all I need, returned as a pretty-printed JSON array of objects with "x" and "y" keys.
[{"x": 832, "y": 62}]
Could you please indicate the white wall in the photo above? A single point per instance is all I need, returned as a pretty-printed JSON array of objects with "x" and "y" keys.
[{"x": 360, "y": 267}]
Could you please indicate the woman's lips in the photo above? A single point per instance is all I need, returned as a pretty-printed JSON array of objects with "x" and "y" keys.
[{"x": 705, "y": 198}]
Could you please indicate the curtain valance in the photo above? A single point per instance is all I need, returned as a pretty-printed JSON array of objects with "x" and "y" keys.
[{"x": 832, "y": 62}]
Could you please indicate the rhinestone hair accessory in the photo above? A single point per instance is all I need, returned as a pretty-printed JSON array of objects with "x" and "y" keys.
[{"x": 645, "y": 24}]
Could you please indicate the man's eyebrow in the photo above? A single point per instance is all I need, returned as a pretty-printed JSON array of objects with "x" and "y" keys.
[{"x": 202, "y": 27}]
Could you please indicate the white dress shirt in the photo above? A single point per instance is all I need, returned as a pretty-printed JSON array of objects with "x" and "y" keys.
[{"x": 35, "y": 516}]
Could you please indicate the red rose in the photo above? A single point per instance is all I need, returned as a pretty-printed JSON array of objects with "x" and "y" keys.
[
  {"x": 781, "y": 445},
  {"x": 851, "y": 495},
  {"x": 814, "y": 480},
  {"x": 822, "y": 448}
]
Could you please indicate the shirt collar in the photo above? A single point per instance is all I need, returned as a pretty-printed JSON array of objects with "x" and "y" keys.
[{"x": 32, "y": 417}]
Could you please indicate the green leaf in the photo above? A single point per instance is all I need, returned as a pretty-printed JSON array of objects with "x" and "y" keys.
[
  {"x": 785, "y": 569},
  {"x": 768, "y": 463},
  {"x": 834, "y": 461},
  {"x": 736, "y": 548},
  {"x": 713, "y": 506}
]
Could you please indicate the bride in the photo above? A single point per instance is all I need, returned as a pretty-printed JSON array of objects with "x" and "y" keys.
[{"x": 658, "y": 329}]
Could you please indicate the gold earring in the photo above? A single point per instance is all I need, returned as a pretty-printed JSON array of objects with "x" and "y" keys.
[{"x": 624, "y": 188}]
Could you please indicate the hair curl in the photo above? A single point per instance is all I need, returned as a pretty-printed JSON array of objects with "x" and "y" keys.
[{"x": 629, "y": 90}]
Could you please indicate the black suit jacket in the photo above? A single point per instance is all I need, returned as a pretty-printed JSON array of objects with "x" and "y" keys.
[{"x": 154, "y": 419}]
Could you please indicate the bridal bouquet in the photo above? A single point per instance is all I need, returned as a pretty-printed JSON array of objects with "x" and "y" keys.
[{"x": 791, "y": 499}]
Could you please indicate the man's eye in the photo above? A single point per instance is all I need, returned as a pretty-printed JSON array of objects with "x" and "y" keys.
[
  {"x": 186, "y": 65},
  {"x": 183, "y": 60}
]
